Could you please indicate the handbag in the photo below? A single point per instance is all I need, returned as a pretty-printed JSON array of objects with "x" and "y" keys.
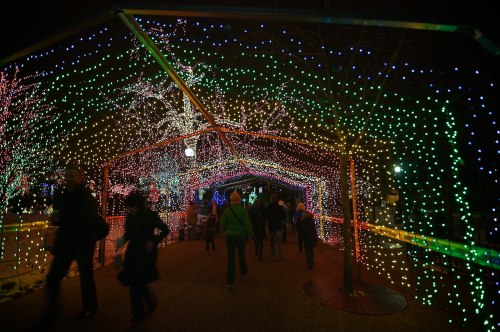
[
  {"x": 123, "y": 278},
  {"x": 101, "y": 228}
]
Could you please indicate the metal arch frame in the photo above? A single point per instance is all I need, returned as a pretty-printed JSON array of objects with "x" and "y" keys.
[
  {"x": 293, "y": 15},
  {"x": 125, "y": 14},
  {"x": 224, "y": 130}
]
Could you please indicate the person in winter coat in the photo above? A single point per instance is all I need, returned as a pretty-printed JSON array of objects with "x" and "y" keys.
[
  {"x": 274, "y": 214},
  {"x": 309, "y": 236},
  {"x": 297, "y": 215},
  {"x": 285, "y": 221},
  {"x": 192, "y": 220},
  {"x": 256, "y": 214},
  {"x": 209, "y": 231},
  {"x": 139, "y": 266},
  {"x": 236, "y": 224},
  {"x": 75, "y": 213}
]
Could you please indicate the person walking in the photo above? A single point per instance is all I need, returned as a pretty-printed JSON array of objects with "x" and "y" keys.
[
  {"x": 256, "y": 214},
  {"x": 215, "y": 212},
  {"x": 274, "y": 214},
  {"x": 139, "y": 265},
  {"x": 75, "y": 213},
  {"x": 235, "y": 223},
  {"x": 285, "y": 221},
  {"x": 297, "y": 215},
  {"x": 291, "y": 212},
  {"x": 309, "y": 236},
  {"x": 192, "y": 220},
  {"x": 209, "y": 232},
  {"x": 180, "y": 229}
]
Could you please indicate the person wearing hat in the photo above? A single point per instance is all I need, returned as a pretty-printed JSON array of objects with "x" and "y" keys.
[
  {"x": 144, "y": 230},
  {"x": 235, "y": 222}
]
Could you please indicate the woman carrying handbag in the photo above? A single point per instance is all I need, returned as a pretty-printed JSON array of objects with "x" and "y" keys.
[{"x": 139, "y": 265}]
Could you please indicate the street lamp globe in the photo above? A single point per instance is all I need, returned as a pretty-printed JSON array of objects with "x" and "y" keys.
[{"x": 189, "y": 152}]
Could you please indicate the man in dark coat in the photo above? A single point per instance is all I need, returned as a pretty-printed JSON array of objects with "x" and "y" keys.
[
  {"x": 75, "y": 214},
  {"x": 309, "y": 235},
  {"x": 256, "y": 214},
  {"x": 297, "y": 220},
  {"x": 274, "y": 214}
]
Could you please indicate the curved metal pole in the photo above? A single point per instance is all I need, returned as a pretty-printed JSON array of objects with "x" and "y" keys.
[
  {"x": 225, "y": 130},
  {"x": 248, "y": 13}
]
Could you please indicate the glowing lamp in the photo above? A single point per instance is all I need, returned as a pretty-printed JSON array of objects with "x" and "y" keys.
[{"x": 189, "y": 152}]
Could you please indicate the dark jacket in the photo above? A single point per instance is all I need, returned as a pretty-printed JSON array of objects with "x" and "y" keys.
[
  {"x": 78, "y": 214},
  {"x": 139, "y": 263},
  {"x": 308, "y": 230},
  {"x": 297, "y": 215},
  {"x": 274, "y": 214},
  {"x": 258, "y": 223},
  {"x": 209, "y": 227}
]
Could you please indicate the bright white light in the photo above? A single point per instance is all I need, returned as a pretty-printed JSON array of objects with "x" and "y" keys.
[
  {"x": 397, "y": 169},
  {"x": 189, "y": 152}
]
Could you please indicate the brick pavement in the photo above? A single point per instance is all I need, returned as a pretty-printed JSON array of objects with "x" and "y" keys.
[{"x": 193, "y": 297}]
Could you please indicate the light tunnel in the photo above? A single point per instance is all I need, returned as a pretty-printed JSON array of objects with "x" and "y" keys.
[
  {"x": 315, "y": 192},
  {"x": 262, "y": 110}
]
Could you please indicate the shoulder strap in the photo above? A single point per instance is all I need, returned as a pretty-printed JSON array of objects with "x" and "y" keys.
[{"x": 237, "y": 218}]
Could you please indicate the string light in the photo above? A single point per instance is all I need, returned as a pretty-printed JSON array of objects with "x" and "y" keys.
[{"x": 95, "y": 99}]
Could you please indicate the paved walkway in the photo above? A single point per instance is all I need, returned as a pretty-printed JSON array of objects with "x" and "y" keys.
[{"x": 193, "y": 297}]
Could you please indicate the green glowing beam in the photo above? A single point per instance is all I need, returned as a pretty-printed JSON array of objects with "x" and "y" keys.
[{"x": 475, "y": 254}]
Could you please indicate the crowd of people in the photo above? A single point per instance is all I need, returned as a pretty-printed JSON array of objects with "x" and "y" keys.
[
  {"x": 260, "y": 221},
  {"x": 75, "y": 212}
]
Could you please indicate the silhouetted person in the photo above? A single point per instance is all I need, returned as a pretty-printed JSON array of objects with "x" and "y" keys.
[
  {"x": 75, "y": 214},
  {"x": 139, "y": 264},
  {"x": 192, "y": 220},
  {"x": 274, "y": 214},
  {"x": 256, "y": 213},
  {"x": 209, "y": 232},
  {"x": 180, "y": 228},
  {"x": 284, "y": 222},
  {"x": 309, "y": 236},
  {"x": 297, "y": 215},
  {"x": 215, "y": 211}
]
